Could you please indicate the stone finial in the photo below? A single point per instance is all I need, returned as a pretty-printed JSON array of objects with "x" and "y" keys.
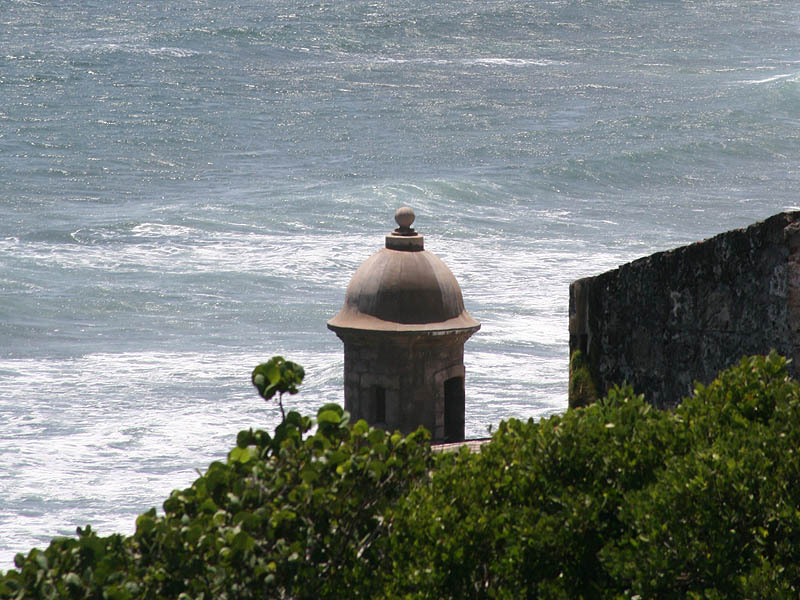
[
  {"x": 404, "y": 217},
  {"x": 405, "y": 237}
]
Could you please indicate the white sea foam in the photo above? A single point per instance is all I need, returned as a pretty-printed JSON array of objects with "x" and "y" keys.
[
  {"x": 791, "y": 76},
  {"x": 510, "y": 62},
  {"x": 133, "y": 45},
  {"x": 154, "y": 416},
  {"x": 171, "y": 52},
  {"x": 484, "y": 61},
  {"x": 163, "y": 230}
]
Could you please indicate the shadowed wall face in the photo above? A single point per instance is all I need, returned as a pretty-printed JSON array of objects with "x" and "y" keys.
[
  {"x": 676, "y": 317},
  {"x": 404, "y": 381}
]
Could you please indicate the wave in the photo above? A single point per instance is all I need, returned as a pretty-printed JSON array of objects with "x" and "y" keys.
[
  {"x": 511, "y": 62},
  {"x": 101, "y": 47},
  {"x": 153, "y": 415},
  {"x": 790, "y": 76},
  {"x": 481, "y": 61}
]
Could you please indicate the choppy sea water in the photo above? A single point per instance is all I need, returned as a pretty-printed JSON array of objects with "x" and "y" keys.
[{"x": 186, "y": 189}]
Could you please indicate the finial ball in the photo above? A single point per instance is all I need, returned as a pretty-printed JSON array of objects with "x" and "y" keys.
[{"x": 404, "y": 216}]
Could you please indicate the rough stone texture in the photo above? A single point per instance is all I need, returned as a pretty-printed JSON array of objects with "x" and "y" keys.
[
  {"x": 473, "y": 446},
  {"x": 412, "y": 369},
  {"x": 676, "y": 317}
]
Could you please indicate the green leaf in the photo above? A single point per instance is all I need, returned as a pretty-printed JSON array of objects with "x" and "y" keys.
[
  {"x": 145, "y": 523},
  {"x": 309, "y": 473},
  {"x": 245, "y": 438},
  {"x": 241, "y": 455},
  {"x": 243, "y": 542},
  {"x": 277, "y": 375},
  {"x": 328, "y": 416},
  {"x": 331, "y": 407}
]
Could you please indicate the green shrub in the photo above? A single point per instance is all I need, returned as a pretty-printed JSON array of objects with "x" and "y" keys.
[
  {"x": 616, "y": 500},
  {"x": 721, "y": 518},
  {"x": 529, "y": 515},
  {"x": 294, "y": 515},
  {"x": 619, "y": 500}
]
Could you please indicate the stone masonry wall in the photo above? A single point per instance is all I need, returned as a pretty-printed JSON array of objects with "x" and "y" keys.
[
  {"x": 676, "y": 317},
  {"x": 411, "y": 368}
]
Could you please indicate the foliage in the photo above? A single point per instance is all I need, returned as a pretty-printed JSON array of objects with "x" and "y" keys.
[
  {"x": 582, "y": 390},
  {"x": 284, "y": 516},
  {"x": 619, "y": 500},
  {"x": 535, "y": 507},
  {"x": 277, "y": 375},
  {"x": 614, "y": 500}
]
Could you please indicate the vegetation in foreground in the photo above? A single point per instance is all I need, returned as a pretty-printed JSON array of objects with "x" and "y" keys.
[{"x": 613, "y": 500}]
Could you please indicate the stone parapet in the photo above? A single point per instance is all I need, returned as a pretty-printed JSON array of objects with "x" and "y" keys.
[{"x": 665, "y": 321}]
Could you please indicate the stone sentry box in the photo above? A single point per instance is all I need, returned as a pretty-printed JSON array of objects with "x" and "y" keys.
[
  {"x": 404, "y": 326},
  {"x": 676, "y": 317}
]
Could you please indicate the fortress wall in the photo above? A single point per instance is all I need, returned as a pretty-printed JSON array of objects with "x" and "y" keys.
[{"x": 667, "y": 320}]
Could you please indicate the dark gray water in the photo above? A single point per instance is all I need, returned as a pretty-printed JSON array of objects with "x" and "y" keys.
[{"x": 186, "y": 188}]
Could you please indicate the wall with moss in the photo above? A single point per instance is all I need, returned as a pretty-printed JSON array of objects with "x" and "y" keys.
[{"x": 676, "y": 317}]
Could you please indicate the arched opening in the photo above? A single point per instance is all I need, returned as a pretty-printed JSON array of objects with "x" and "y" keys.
[
  {"x": 378, "y": 404},
  {"x": 454, "y": 409}
]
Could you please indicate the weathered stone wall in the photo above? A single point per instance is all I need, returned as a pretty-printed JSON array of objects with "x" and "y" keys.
[
  {"x": 411, "y": 368},
  {"x": 667, "y": 320}
]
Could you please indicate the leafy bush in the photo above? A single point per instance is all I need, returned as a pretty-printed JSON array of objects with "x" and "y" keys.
[
  {"x": 613, "y": 500},
  {"x": 530, "y": 515},
  {"x": 619, "y": 500},
  {"x": 284, "y": 516}
]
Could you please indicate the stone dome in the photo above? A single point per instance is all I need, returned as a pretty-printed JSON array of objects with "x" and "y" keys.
[{"x": 403, "y": 287}]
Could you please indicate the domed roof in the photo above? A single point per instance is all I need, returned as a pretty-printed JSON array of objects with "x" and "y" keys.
[{"x": 403, "y": 287}]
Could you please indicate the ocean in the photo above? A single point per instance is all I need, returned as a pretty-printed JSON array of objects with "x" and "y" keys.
[{"x": 187, "y": 187}]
